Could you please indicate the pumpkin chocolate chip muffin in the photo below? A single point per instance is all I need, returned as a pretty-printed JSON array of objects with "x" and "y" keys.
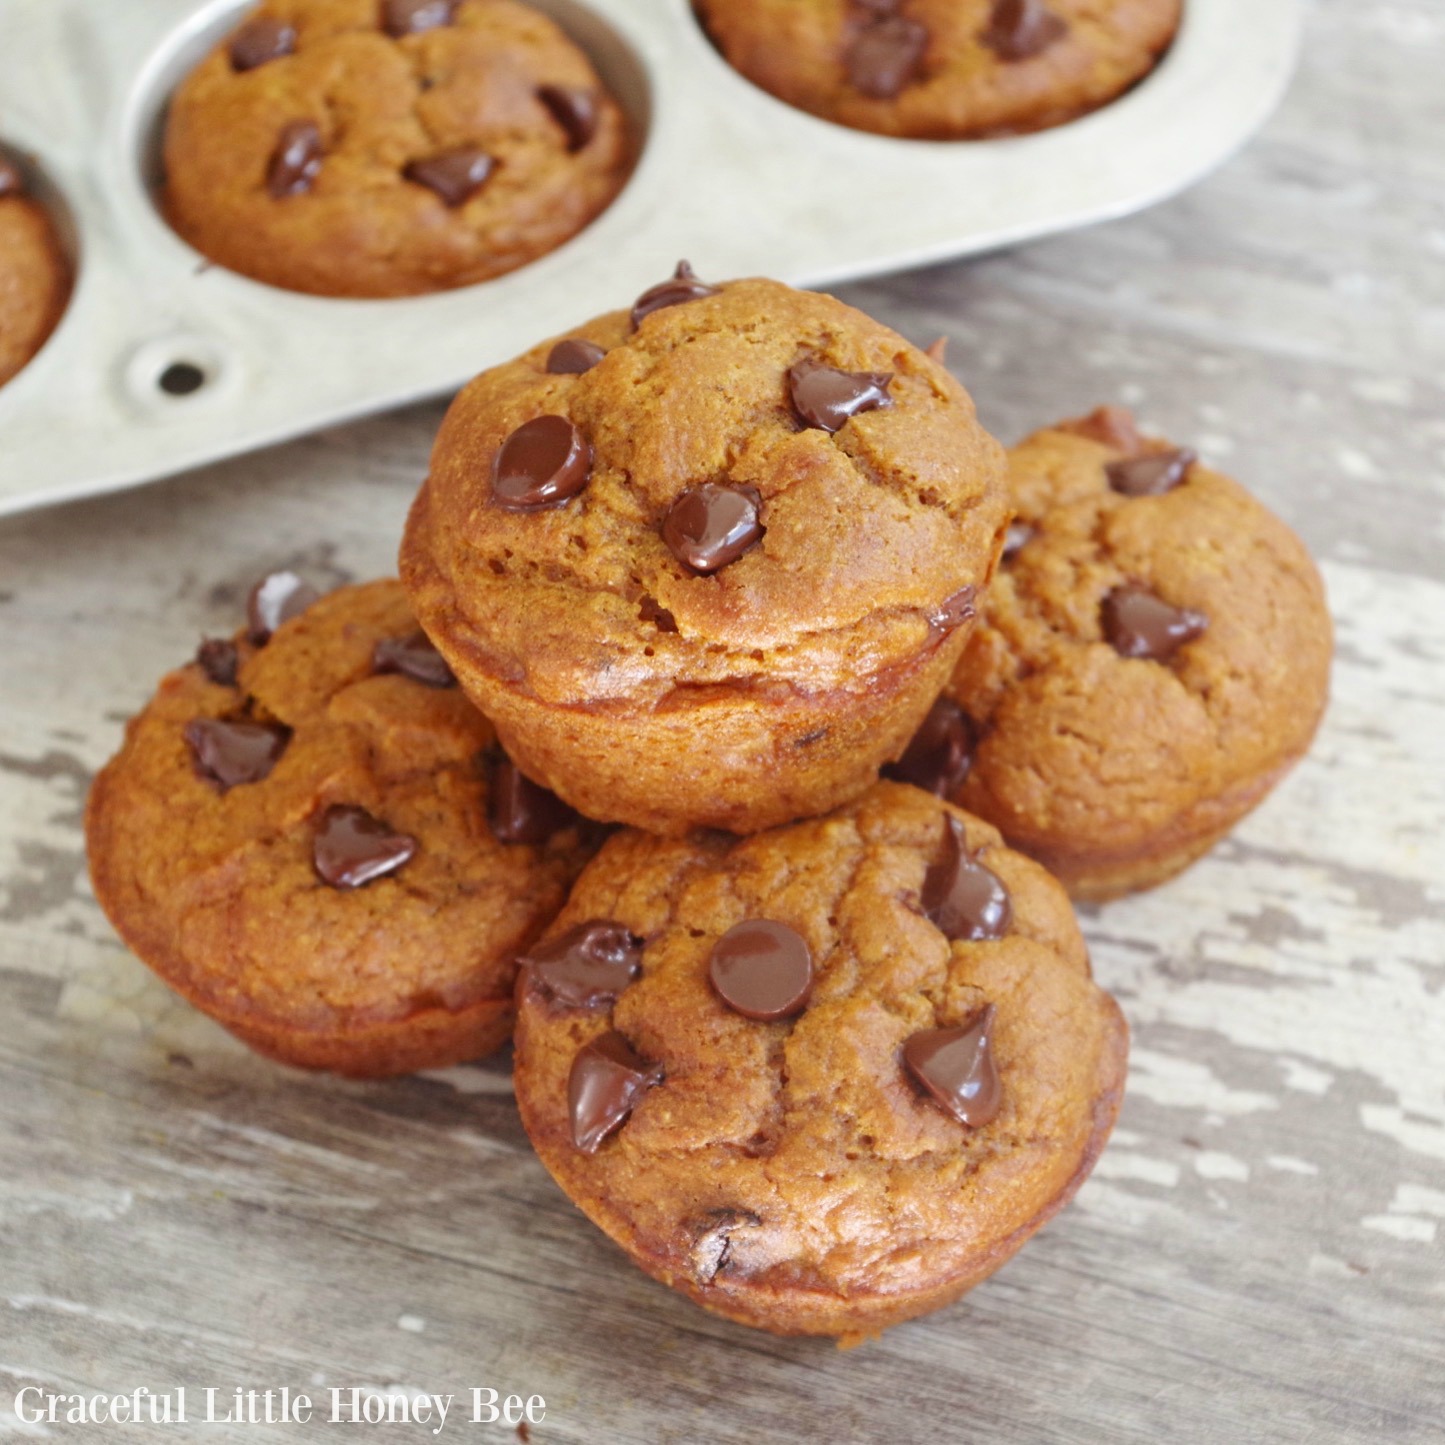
[
  {"x": 943, "y": 69},
  {"x": 34, "y": 274},
  {"x": 390, "y": 147},
  {"x": 707, "y": 562},
  {"x": 1153, "y": 657},
  {"x": 825, "y": 1078},
  {"x": 312, "y": 836}
]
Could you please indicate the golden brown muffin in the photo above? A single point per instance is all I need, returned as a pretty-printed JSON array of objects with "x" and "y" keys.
[
  {"x": 390, "y": 147},
  {"x": 34, "y": 274},
  {"x": 943, "y": 69},
  {"x": 1152, "y": 659},
  {"x": 308, "y": 838},
  {"x": 825, "y": 1078},
  {"x": 711, "y": 578}
]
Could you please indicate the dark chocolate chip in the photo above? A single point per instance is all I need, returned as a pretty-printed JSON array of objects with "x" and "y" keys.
[
  {"x": 12, "y": 182},
  {"x": 352, "y": 847},
  {"x": 218, "y": 659},
  {"x": 296, "y": 161},
  {"x": 411, "y": 17},
  {"x": 544, "y": 463},
  {"x": 1018, "y": 536},
  {"x": 762, "y": 969},
  {"x": 1020, "y": 29},
  {"x": 574, "y": 109},
  {"x": 414, "y": 657},
  {"x": 276, "y": 599},
  {"x": 956, "y": 1069},
  {"x": 587, "y": 967},
  {"x": 259, "y": 40},
  {"x": 573, "y": 356},
  {"x": 1139, "y": 624},
  {"x": 826, "y": 397},
  {"x": 682, "y": 286},
  {"x": 232, "y": 751},
  {"x": 941, "y": 753},
  {"x": 879, "y": 7},
  {"x": 1151, "y": 474},
  {"x": 963, "y": 899},
  {"x": 955, "y": 609},
  {"x": 712, "y": 1240},
  {"x": 519, "y": 810},
  {"x": 456, "y": 176},
  {"x": 607, "y": 1081},
  {"x": 886, "y": 56},
  {"x": 712, "y": 525}
]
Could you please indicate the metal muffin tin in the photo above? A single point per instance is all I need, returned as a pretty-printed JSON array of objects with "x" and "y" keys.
[{"x": 728, "y": 176}]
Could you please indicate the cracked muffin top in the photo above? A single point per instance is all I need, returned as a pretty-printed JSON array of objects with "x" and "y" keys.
[
  {"x": 311, "y": 829},
  {"x": 825, "y": 1077},
  {"x": 943, "y": 69},
  {"x": 390, "y": 147},
  {"x": 737, "y": 487},
  {"x": 34, "y": 274},
  {"x": 1155, "y": 640}
]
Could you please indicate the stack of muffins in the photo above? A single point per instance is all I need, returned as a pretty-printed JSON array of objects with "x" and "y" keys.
[{"x": 601, "y": 773}]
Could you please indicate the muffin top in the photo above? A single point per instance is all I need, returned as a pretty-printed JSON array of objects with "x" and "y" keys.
[
  {"x": 34, "y": 275},
  {"x": 943, "y": 69},
  {"x": 864, "y": 1051},
  {"x": 389, "y": 147},
  {"x": 1155, "y": 637},
  {"x": 311, "y": 828},
  {"x": 742, "y": 486}
]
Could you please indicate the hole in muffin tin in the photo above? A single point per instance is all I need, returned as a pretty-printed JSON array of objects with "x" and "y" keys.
[
  {"x": 617, "y": 64},
  {"x": 181, "y": 378},
  {"x": 177, "y": 370}
]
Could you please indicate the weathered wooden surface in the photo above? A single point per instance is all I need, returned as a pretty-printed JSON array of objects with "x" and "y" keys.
[{"x": 1261, "y": 1254}]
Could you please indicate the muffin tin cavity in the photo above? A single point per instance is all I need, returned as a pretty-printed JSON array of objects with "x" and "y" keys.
[
  {"x": 175, "y": 362},
  {"x": 39, "y": 255}
]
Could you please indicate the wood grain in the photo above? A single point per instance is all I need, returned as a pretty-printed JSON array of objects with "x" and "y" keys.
[{"x": 1261, "y": 1254}]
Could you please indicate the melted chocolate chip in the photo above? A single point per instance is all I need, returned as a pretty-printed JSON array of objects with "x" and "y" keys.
[
  {"x": 682, "y": 286},
  {"x": 941, "y": 753},
  {"x": 413, "y": 657},
  {"x": 1152, "y": 474},
  {"x": 956, "y": 1069},
  {"x": 955, "y": 609},
  {"x": 574, "y": 109},
  {"x": 587, "y": 967},
  {"x": 1018, "y": 536},
  {"x": 296, "y": 161},
  {"x": 519, "y": 810},
  {"x": 456, "y": 176},
  {"x": 712, "y": 1240},
  {"x": 607, "y": 1081},
  {"x": 259, "y": 40},
  {"x": 1020, "y": 29},
  {"x": 963, "y": 899},
  {"x": 712, "y": 525},
  {"x": 275, "y": 599},
  {"x": 232, "y": 751},
  {"x": 218, "y": 659},
  {"x": 544, "y": 463},
  {"x": 352, "y": 848},
  {"x": 573, "y": 356},
  {"x": 12, "y": 182},
  {"x": 886, "y": 56},
  {"x": 825, "y": 397},
  {"x": 411, "y": 17},
  {"x": 1139, "y": 624},
  {"x": 762, "y": 970}
]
